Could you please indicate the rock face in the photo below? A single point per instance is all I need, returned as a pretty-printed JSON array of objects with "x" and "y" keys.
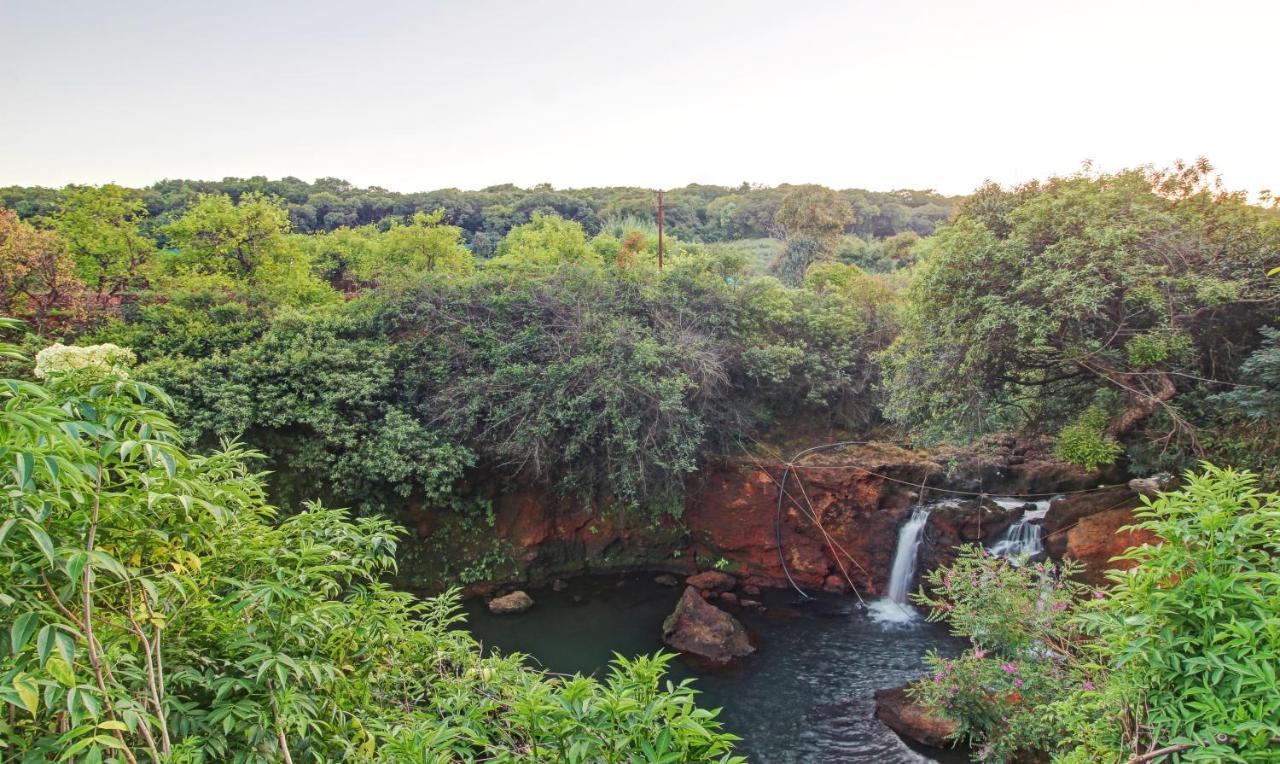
[
  {"x": 712, "y": 580},
  {"x": 912, "y": 721},
  {"x": 704, "y": 630},
  {"x": 841, "y": 527},
  {"x": 515, "y": 602},
  {"x": 1085, "y": 528},
  {"x": 1095, "y": 540}
]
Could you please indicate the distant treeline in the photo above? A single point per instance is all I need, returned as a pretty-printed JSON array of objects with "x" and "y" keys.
[{"x": 693, "y": 213}]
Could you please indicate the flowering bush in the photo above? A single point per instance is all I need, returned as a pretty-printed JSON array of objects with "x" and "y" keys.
[{"x": 107, "y": 360}]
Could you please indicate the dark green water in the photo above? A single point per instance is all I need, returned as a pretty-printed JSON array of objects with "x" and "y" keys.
[{"x": 805, "y": 696}]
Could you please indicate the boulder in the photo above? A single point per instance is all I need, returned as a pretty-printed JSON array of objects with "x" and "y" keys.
[
  {"x": 712, "y": 580},
  {"x": 666, "y": 579},
  {"x": 912, "y": 721},
  {"x": 515, "y": 602},
  {"x": 1095, "y": 540},
  {"x": 729, "y": 598},
  {"x": 702, "y": 629}
]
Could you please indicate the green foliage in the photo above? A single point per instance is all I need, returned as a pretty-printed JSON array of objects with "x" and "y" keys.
[
  {"x": 102, "y": 228},
  {"x": 1259, "y": 397},
  {"x": 1192, "y": 629},
  {"x": 1034, "y": 299},
  {"x": 1180, "y": 652},
  {"x": 545, "y": 242},
  {"x": 157, "y": 612},
  {"x": 1085, "y": 441},
  {"x": 814, "y": 212}
]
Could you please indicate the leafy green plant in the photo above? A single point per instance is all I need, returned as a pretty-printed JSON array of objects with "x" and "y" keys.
[
  {"x": 158, "y": 612},
  {"x": 1085, "y": 441}
]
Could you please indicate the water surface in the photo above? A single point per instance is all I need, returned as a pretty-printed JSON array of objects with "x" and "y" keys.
[{"x": 805, "y": 696}]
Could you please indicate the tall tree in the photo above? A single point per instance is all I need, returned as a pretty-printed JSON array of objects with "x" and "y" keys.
[
  {"x": 100, "y": 225},
  {"x": 37, "y": 277}
]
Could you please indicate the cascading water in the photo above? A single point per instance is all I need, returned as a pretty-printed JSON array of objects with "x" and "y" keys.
[
  {"x": 1023, "y": 538},
  {"x": 894, "y": 607}
]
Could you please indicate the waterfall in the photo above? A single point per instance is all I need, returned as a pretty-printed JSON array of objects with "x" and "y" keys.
[
  {"x": 1023, "y": 538},
  {"x": 894, "y": 606}
]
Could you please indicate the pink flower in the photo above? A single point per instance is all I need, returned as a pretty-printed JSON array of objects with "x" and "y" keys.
[
  {"x": 1009, "y": 668},
  {"x": 1017, "y": 683},
  {"x": 1088, "y": 686},
  {"x": 978, "y": 652}
]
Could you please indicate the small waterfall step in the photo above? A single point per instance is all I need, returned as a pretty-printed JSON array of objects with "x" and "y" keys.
[{"x": 1023, "y": 539}]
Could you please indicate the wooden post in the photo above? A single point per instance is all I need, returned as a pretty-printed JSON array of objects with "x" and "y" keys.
[{"x": 659, "y": 230}]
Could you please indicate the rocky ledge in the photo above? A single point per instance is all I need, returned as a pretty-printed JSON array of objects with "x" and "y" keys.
[{"x": 912, "y": 721}]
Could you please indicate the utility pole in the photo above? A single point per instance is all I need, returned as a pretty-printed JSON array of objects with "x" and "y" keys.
[{"x": 659, "y": 230}]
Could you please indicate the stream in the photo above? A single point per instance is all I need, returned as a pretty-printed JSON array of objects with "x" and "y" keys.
[{"x": 805, "y": 696}]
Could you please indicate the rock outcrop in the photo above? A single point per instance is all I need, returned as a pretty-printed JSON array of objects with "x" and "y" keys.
[
  {"x": 1086, "y": 527},
  {"x": 968, "y": 522},
  {"x": 912, "y": 721},
  {"x": 712, "y": 581},
  {"x": 515, "y": 602},
  {"x": 699, "y": 628}
]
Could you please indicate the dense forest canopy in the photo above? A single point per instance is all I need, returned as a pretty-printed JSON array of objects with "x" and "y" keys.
[{"x": 694, "y": 213}]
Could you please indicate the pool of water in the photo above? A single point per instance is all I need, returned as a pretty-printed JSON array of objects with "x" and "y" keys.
[{"x": 805, "y": 696}]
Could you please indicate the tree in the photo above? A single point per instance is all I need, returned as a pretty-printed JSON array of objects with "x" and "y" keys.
[
  {"x": 37, "y": 278},
  {"x": 1049, "y": 302},
  {"x": 100, "y": 225},
  {"x": 546, "y": 241},
  {"x": 815, "y": 212},
  {"x": 425, "y": 245},
  {"x": 218, "y": 236}
]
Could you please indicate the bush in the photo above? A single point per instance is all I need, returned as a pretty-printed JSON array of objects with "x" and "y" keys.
[{"x": 157, "y": 612}]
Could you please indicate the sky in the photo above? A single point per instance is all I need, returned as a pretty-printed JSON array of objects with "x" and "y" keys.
[{"x": 423, "y": 95}]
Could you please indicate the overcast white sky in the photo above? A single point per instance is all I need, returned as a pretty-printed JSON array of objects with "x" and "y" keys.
[{"x": 416, "y": 95}]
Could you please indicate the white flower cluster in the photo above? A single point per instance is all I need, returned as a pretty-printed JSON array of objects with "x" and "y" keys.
[{"x": 109, "y": 359}]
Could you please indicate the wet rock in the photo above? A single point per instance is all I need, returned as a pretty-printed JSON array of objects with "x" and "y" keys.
[
  {"x": 704, "y": 630},
  {"x": 558, "y": 585},
  {"x": 1150, "y": 486},
  {"x": 751, "y": 590},
  {"x": 515, "y": 602},
  {"x": 912, "y": 721},
  {"x": 729, "y": 598},
  {"x": 752, "y": 604},
  {"x": 712, "y": 580},
  {"x": 666, "y": 579},
  {"x": 965, "y": 523}
]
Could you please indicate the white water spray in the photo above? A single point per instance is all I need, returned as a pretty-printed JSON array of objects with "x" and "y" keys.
[{"x": 894, "y": 607}]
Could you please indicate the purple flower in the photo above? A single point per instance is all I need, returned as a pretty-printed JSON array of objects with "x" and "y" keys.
[
  {"x": 1088, "y": 686},
  {"x": 1008, "y": 668},
  {"x": 978, "y": 652},
  {"x": 1017, "y": 683}
]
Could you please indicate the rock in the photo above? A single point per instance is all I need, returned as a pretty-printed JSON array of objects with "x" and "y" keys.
[
  {"x": 1095, "y": 540},
  {"x": 704, "y": 630},
  {"x": 751, "y": 590},
  {"x": 912, "y": 721},
  {"x": 1150, "y": 486},
  {"x": 1069, "y": 509},
  {"x": 712, "y": 580},
  {"x": 729, "y": 598},
  {"x": 558, "y": 585},
  {"x": 666, "y": 579},
  {"x": 515, "y": 602},
  {"x": 752, "y": 604},
  {"x": 835, "y": 584}
]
